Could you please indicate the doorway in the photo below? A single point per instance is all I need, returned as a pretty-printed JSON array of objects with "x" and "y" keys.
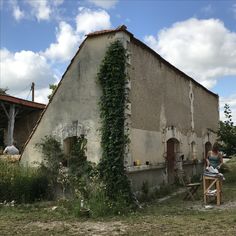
[{"x": 172, "y": 149}]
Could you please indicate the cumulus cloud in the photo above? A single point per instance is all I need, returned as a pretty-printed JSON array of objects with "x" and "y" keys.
[
  {"x": 68, "y": 38},
  {"x": 107, "y": 4},
  {"x": 57, "y": 2},
  {"x": 67, "y": 42},
  {"x": 88, "y": 20},
  {"x": 17, "y": 13},
  {"x": 204, "y": 49},
  {"x": 41, "y": 9},
  {"x": 19, "y": 69}
]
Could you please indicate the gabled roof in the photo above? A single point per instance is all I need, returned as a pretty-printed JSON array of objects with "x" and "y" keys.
[{"x": 121, "y": 28}]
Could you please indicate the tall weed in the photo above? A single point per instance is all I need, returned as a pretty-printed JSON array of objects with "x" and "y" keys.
[{"x": 21, "y": 184}]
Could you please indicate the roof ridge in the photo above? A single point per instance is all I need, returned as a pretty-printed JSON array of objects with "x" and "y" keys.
[{"x": 106, "y": 31}]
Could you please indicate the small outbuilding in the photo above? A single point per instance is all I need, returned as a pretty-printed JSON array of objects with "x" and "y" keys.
[{"x": 17, "y": 119}]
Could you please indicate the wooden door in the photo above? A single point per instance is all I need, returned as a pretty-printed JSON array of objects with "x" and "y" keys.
[{"x": 171, "y": 153}]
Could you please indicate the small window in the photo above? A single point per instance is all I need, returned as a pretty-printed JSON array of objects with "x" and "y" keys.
[
  {"x": 75, "y": 151},
  {"x": 68, "y": 144},
  {"x": 193, "y": 150}
]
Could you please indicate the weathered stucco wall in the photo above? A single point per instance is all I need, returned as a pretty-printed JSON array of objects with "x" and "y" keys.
[
  {"x": 206, "y": 113},
  {"x": 74, "y": 108},
  {"x": 166, "y": 105},
  {"x": 163, "y": 105}
]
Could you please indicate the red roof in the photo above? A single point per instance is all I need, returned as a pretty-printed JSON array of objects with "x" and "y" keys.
[
  {"x": 119, "y": 28},
  {"x": 19, "y": 101}
]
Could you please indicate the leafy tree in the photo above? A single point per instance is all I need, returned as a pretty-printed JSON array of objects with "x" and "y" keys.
[
  {"x": 227, "y": 132},
  {"x": 53, "y": 88}
]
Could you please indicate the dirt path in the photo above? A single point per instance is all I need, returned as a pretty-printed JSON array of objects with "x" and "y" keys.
[{"x": 79, "y": 228}]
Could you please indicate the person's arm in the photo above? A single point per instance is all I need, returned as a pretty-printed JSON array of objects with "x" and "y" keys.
[
  {"x": 5, "y": 150},
  {"x": 207, "y": 159},
  {"x": 221, "y": 160}
]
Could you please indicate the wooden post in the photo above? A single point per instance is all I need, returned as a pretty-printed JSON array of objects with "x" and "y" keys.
[
  {"x": 32, "y": 89},
  {"x": 11, "y": 115},
  {"x": 11, "y": 123}
]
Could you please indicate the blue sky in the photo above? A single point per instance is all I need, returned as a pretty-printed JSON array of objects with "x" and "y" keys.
[{"x": 39, "y": 37}]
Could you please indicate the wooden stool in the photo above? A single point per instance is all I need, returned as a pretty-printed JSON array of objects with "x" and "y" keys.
[{"x": 212, "y": 182}]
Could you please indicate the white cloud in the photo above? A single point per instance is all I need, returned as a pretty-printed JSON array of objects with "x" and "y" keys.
[
  {"x": 57, "y": 2},
  {"x": 41, "y": 9},
  {"x": 17, "y": 13},
  {"x": 19, "y": 69},
  {"x": 231, "y": 101},
  {"x": 88, "y": 21},
  {"x": 68, "y": 39},
  {"x": 107, "y": 4},
  {"x": 204, "y": 49},
  {"x": 67, "y": 42}
]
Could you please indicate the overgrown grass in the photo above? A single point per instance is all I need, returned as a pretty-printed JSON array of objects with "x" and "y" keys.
[
  {"x": 171, "y": 217},
  {"x": 21, "y": 184},
  {"x": 231, "y": 174}
]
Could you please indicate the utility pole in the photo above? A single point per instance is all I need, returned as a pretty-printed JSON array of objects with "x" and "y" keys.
[{"x": 32, "y": 89}]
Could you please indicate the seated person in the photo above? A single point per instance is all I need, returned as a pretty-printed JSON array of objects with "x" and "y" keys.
[
  {"x": 214, "y": 157},
  {"x": 11, "y": 150}
]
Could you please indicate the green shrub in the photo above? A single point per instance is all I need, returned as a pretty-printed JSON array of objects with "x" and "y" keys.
[
  {"x": 53, "y": 156},
  {"x": 230, "y": 176},
  {"x": 82, "y": 178},
  {"x": 21, "y": 184}
]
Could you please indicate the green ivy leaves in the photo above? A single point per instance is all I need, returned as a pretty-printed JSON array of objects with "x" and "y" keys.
[{"x": 112, "y": 78}]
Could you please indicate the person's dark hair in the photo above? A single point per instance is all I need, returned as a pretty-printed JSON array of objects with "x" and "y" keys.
[{"x": 216, "y": 147}]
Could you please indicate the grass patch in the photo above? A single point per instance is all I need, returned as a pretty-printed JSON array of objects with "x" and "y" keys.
[{"x": 171, "y": 217}]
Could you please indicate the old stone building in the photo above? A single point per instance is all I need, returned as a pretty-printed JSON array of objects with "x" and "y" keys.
[{"x": 172, "y": 119}]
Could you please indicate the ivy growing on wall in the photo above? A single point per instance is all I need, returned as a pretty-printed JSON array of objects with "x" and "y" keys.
[{"x": 112, "y": 78}]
